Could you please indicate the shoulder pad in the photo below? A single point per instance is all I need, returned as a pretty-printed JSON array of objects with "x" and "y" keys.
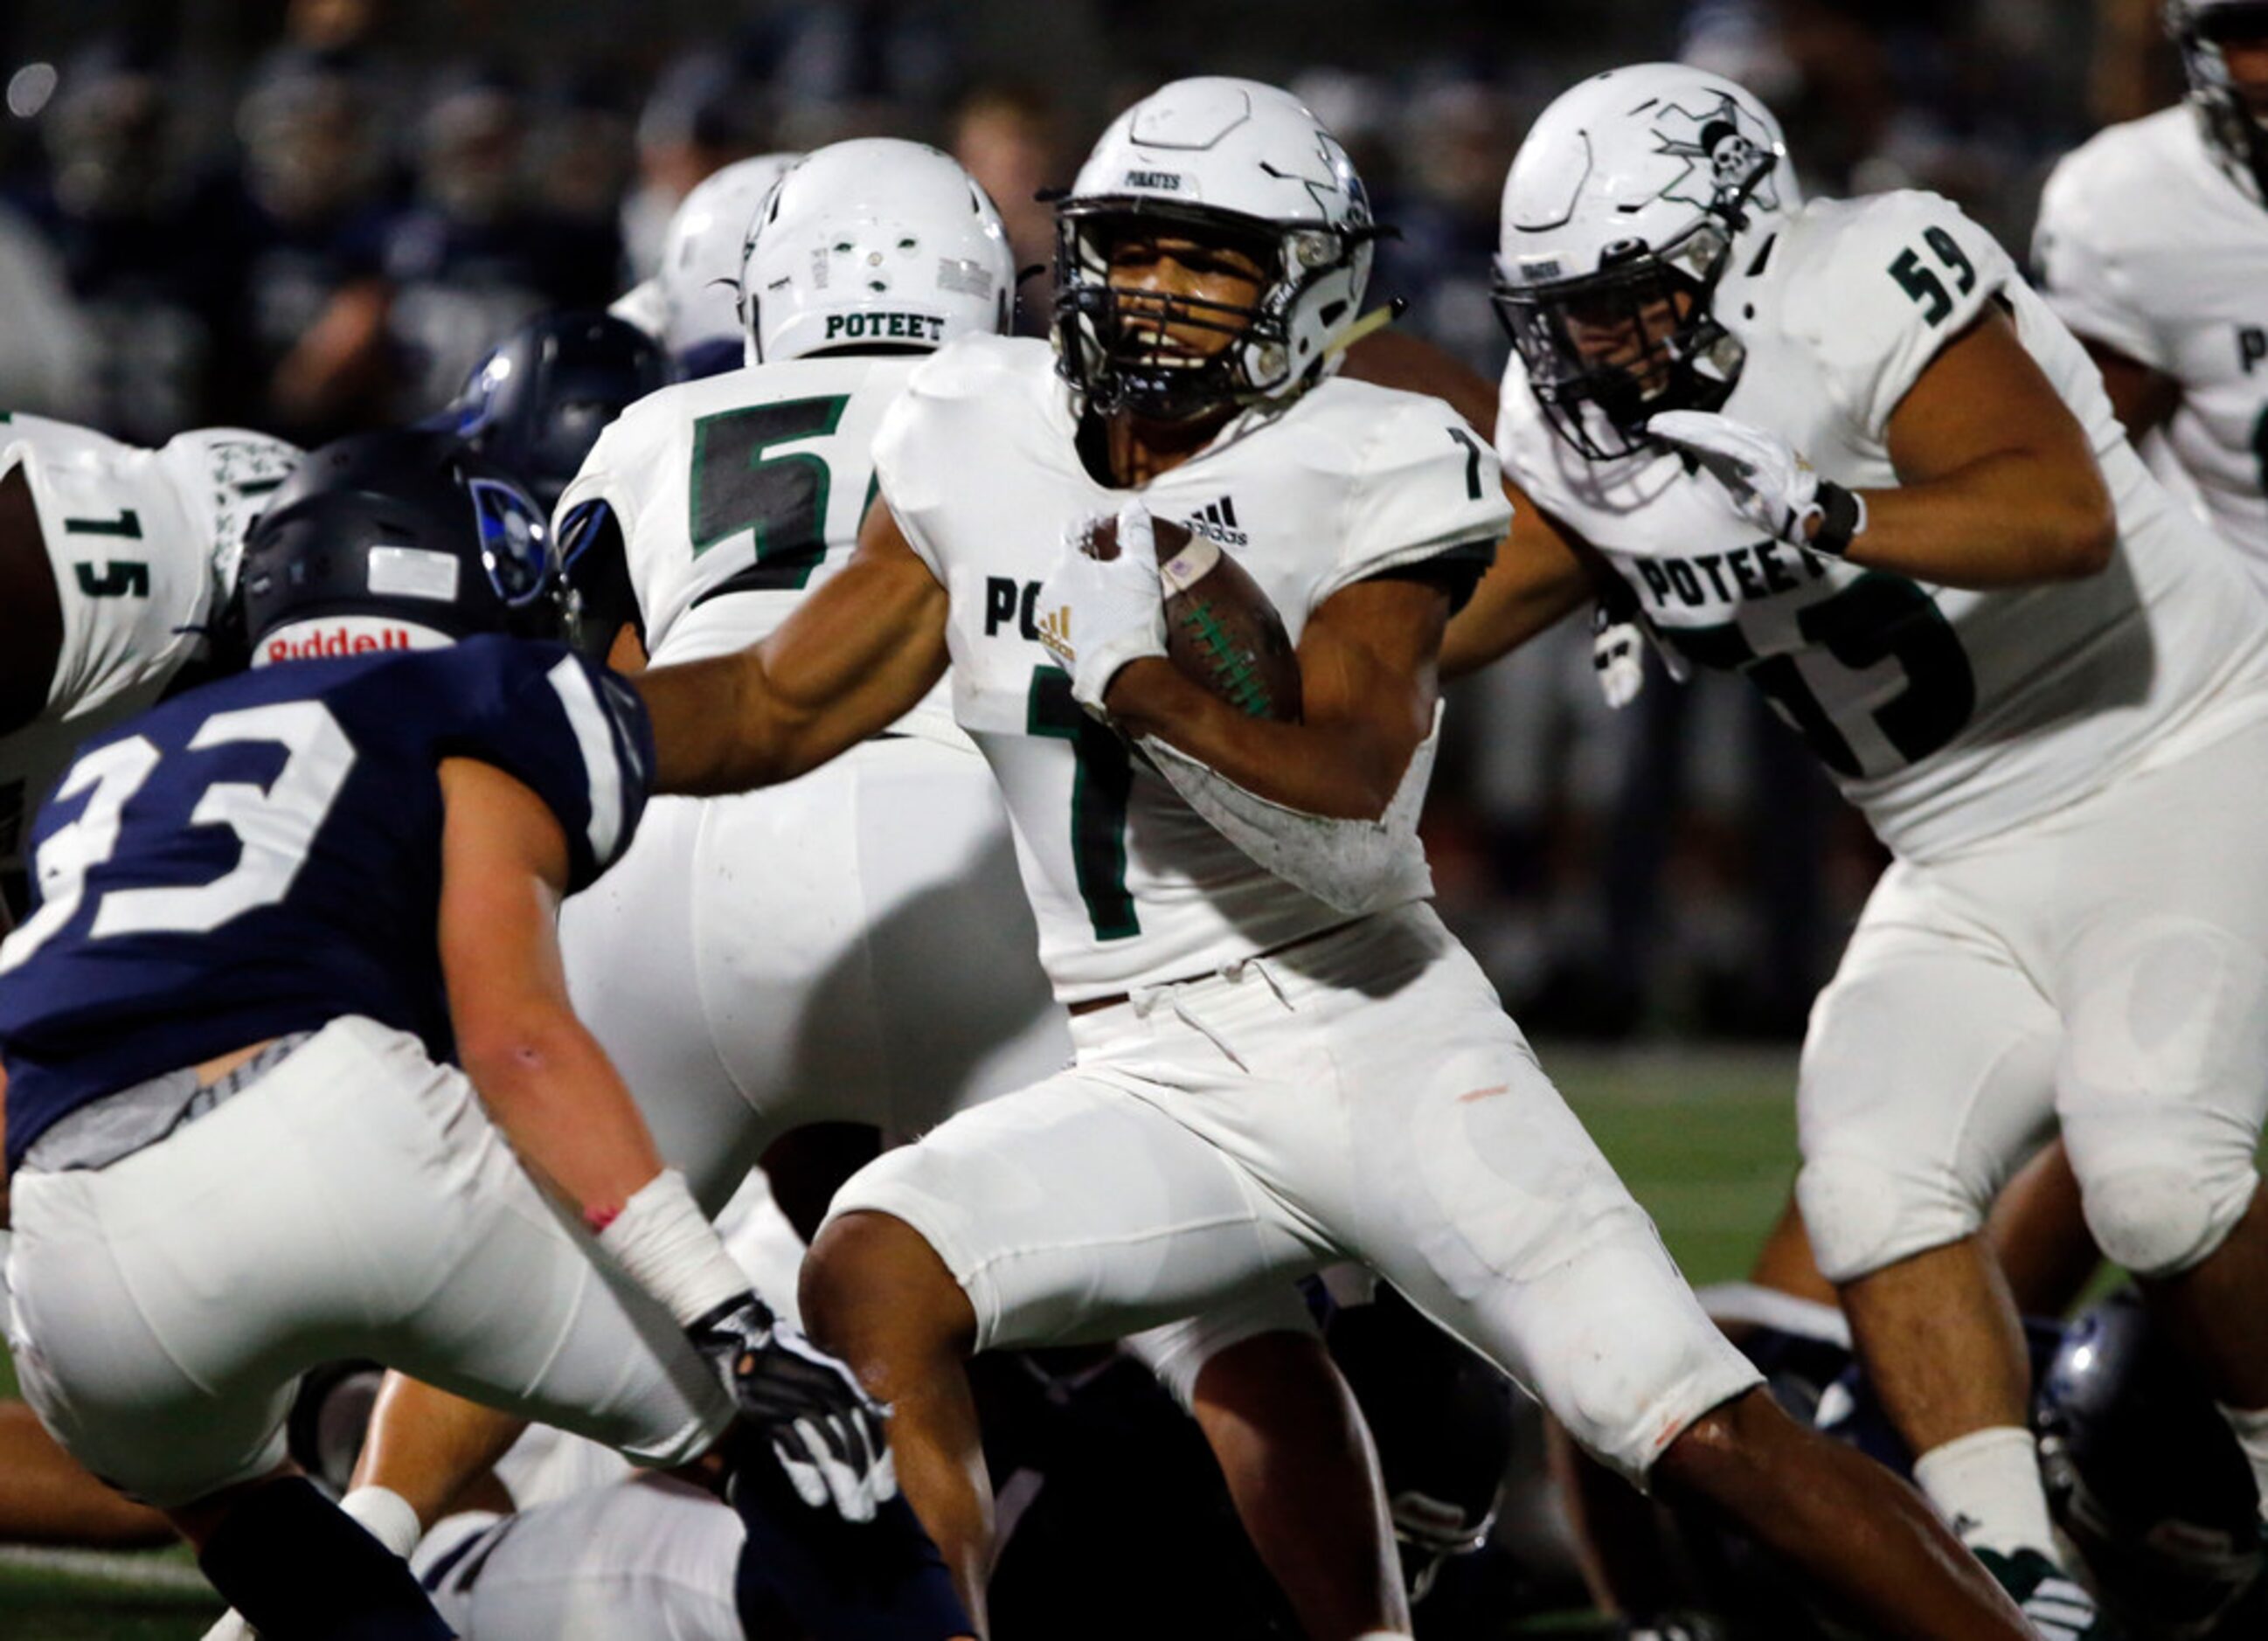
[
  {"x": 1423, "y": 482},
  {"x": 2085, "y": 257},
  {"x": 972, "y": 364},
  {"x": 1874, "y": 287}
]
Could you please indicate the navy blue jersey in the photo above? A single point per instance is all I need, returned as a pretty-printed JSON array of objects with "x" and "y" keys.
[{"x": 264, "y": 855}]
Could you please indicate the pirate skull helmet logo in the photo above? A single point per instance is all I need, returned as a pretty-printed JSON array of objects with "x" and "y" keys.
[{"x": 1728, "y": 157}]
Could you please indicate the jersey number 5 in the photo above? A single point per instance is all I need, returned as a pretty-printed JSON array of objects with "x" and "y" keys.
[
  {"x": 277, "y": 826},
  {"x": 1877, "y": 618},
  {"x": 782, "y": 500}
]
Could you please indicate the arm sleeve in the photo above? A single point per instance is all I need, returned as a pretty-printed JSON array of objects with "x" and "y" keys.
[
  {"x": 1905, "y": 274},
  {"x": 2083, "y": 277},
  {"x": 1425, "y": 486}
]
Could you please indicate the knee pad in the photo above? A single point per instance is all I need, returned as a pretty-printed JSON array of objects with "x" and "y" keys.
[
  {"x": 1863, "y": 1214},
  {"x": 2159, "y": 1220}
]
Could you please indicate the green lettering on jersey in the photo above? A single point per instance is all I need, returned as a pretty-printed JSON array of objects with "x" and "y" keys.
[
  {"x": 1099, "y": 790},
  {"x": 121, "y": 579},
  {"x": 128, "y": 526},
  {"x": 1878, "y": 617},
  {"x": 736, "y": 487}
]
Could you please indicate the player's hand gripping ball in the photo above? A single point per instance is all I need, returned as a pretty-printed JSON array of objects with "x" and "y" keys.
[{"x": 1199, "y": 609}]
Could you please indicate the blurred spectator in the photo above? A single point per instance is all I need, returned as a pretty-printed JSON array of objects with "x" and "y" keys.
[
  {"x": 705, "y": 111},
  {"x": 477, "y": 254},
  {"x": 583, "y": 153},
  {"x": 115, "y": 206},
  {"x": 46, "y": 354},
  {"x": 1008, "y": 137},
  {"x": 301, "y": 227},
  {"x": 1457, "y": 141}
]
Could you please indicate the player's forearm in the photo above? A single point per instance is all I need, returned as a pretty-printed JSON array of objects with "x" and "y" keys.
[
  {"x": 2010, "y": 520},
  {"x": 1506, "y": 610},
  {"x": 1346, "y": 771},
  {"x": 548, "y": 1085}
]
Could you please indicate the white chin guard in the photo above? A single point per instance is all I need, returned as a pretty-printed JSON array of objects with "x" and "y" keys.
[{"x": 1354, "y": 866}]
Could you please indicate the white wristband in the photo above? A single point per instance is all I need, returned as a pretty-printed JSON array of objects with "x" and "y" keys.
[
  {"x": 386, "y": 1515},
  {"x": 672, "y": 1251}
]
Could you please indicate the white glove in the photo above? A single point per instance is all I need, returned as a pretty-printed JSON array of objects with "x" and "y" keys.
[
  {"x": 1771, "y": 484},
  {"x": 1618, "y": 656},
  {"x": 231, "y": 1628},
  {"x": 1097, "y": 614}
]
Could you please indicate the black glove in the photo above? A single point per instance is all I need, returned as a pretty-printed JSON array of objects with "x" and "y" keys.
[{"x": 826, "y": 1431}]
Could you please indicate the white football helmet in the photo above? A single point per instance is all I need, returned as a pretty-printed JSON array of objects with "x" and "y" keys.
[
  {"x": 225, "y": 476},
  {"x": 875, "y": 244},
  {"x": 1220, "y": 161},
  {"x": 700, "y": 271},
  {"x": 1624, "y": 207},
  {"x": 2235, "y": 132}
]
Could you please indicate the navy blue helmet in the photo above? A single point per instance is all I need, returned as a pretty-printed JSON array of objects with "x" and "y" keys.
[
  {"x": 397, "y": 539},
  {"x": 2146, "y": 1479},
  {"x": 540, "y": 400}
]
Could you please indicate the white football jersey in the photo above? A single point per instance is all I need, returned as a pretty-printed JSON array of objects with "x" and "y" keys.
[
  {"x": 143, "y": 544},
  {"x": 737, "y": 493},
  {"x": 978, "y": 461},
  {"x": 1946, "y": 714},
  {"x": 654, "y": 1558},
  {"x": 2148, "y": 245}
]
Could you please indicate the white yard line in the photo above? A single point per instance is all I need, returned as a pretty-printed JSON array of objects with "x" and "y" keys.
[{"x": 138, "y": 1570}]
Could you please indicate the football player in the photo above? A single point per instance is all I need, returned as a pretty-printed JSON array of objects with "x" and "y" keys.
[
  {"x": 240, "y": 1141},
  {"x": 539, "y": 401},
  {"x": 854, "y": 948},
  {"x": 115, "y": 564},
  {"x": 1277, "y": 1065},
  {"x": 2152, "y": 246},
  {"x": 2016, "y": 653},
  {"x": 2146, "y": 1484},
  {"x": 691, "y": 305}
]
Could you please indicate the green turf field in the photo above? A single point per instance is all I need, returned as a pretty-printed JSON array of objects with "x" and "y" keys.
[{"x": 1706, "y": 1137}]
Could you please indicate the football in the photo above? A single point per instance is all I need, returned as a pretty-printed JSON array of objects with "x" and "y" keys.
[{"x": 1220, "y": 627}]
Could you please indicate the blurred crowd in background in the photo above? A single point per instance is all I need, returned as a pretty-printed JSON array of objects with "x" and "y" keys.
[{"x": 312, "y": 217}]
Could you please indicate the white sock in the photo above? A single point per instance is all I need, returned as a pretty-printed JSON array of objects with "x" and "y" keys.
[
  {"x": 2252, "y": 1435},
  {"x": 1987, "y": 1486}
]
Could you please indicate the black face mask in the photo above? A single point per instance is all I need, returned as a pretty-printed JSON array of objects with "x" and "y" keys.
[
  {"x": 1600, "y": 406},
  {"x": 1112, "y": 344},
  {"x": 2231, "y": 127}
]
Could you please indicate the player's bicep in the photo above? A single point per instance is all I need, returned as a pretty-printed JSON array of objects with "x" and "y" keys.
[
  {"x": 1538, "y": 578},
  {"x": 863, "y": 651},
  {"x": 857, "y": 654},
  {"x": 1368, "y": 659},
  {"x": 505, "y": 864},
  {"x": 1983, "y": 395}
]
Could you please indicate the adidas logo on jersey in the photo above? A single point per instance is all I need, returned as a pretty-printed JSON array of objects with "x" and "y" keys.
[
  {"x": 1216, "y": 521},
  {"x": 1055, "y": 632}
]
